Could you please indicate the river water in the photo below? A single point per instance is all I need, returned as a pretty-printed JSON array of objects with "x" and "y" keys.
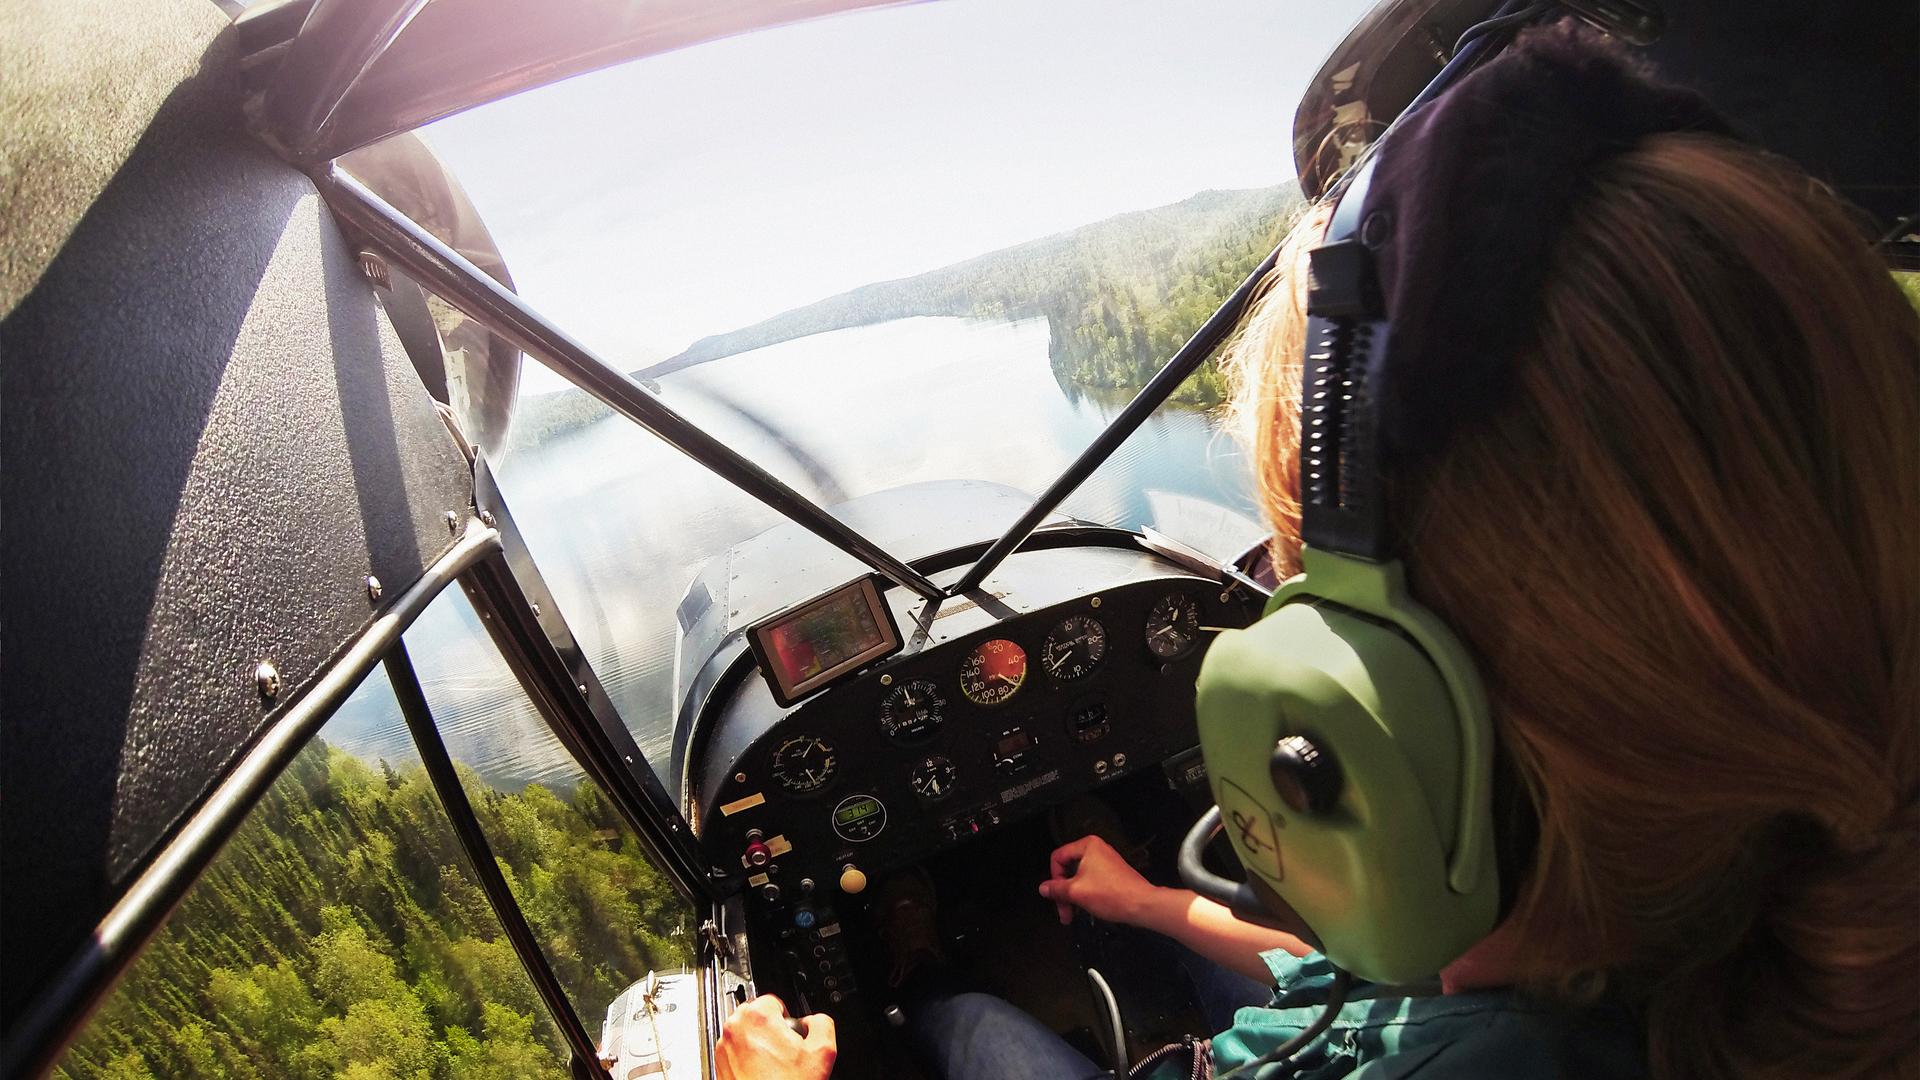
[{"x": 620, "y": 523}]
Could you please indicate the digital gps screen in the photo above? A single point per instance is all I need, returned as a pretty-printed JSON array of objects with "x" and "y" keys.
[{"x": 806, "y": 647}]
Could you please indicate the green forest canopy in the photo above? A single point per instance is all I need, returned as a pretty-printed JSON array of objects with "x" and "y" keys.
[
  {"x": 341, "y": 935},
  {"x": 1119, "y": 295}
]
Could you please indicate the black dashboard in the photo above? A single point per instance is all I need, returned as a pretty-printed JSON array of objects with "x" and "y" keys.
[{"x": 1071, "y": 668}]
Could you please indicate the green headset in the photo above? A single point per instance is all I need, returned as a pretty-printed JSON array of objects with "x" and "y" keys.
[{"x": 1346, "y": 733}]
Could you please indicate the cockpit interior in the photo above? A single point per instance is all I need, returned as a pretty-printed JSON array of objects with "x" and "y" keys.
[{"x": 530, "y": 526}]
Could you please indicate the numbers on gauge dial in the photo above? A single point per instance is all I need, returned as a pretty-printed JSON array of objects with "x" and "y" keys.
[
  {"x": 933, "y": 779},
  {"x": 993, "y": 672},
  {"x": 913, "y": 710},
  {"x": 1074, "y": 648},
  {"x": 1173, "y": 626},
  {"x": 804, "y": 764}
]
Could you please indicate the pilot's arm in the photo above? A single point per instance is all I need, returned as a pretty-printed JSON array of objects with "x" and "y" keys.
[
  {"x": 1088, "y": 874},
  {"x": 758, "y": 1042}
]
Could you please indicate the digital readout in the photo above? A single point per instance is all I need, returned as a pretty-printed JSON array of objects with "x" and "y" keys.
[
  {"x": 855, "y": 810},
  {"x": 1014, "y": 743},
  {"x": 825, "y": 637}
]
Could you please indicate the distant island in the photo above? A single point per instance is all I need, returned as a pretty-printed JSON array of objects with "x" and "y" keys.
[{"x": 1119, "y": 295}]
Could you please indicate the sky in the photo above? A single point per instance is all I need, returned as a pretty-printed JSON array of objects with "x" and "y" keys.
[{"x": 691, "y": 193}]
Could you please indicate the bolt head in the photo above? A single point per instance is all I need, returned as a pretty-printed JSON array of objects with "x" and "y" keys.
[
  {"x": 886, "y": 680},
  {"x": 453, "y": 522},
  {"x": 266, "y": 678},
  {"x": 1095, "y": 602},
  {"x": 486, "y": 518},
  {"x": 374, "y": 587}
]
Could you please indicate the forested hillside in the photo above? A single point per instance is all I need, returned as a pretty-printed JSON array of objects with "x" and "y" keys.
[
  {"x": 1120, "y": 295},
  {"x": 341, "y": 935}
]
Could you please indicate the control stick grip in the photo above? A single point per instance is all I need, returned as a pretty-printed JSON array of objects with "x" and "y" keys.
[{"x": 1238, "y": 896}]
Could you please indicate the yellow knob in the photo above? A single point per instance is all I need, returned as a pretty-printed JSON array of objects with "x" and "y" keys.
[{"x": 852, "y": 880}]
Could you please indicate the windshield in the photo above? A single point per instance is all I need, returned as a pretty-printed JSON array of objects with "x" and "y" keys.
[{"x": 926, "y": 243}]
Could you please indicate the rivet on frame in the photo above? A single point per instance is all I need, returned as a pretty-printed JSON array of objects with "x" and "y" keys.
[{"x": 266, "y": 678}]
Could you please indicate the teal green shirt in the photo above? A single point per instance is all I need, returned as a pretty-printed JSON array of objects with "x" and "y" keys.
[{"x": 1380, "y": 1035}]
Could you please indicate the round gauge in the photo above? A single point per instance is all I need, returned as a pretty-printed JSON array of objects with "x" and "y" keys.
[
  {"x": 1173, "y": 627},
  {"x": 804, "y": 764},
  {"x": 993, "y": 672},
  {"x": 933, "y": 779},
  {"x": 1074, "y": 648},
  {"x": 859, "y": 818},
  {"x": 912, "y": 711}
]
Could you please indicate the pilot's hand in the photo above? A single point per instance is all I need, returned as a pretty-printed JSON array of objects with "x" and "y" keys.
[
  {"x": 1088, "y": 874},
  {"x": 759, "y": 1043}
]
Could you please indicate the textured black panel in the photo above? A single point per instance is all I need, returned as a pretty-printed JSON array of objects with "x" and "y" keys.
[{"x": 206, "y": 419}]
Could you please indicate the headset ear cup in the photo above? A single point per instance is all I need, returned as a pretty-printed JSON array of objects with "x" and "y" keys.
[{"x": 1367, "y": 869}]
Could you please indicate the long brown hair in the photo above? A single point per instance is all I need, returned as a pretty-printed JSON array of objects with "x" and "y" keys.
[{"x": 1686, "y": 553}]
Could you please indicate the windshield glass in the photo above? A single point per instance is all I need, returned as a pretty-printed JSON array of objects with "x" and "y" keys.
[{"x": 933, "y": 242}]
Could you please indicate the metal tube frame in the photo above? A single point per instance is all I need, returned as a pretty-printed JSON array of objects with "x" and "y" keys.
[
  {"x": 525, "y": 623},
  {"x": 1183, "y": 364},
  {"x": 473, "y": 841},
  {"x": 1215, "y": 330},
  {"x": 42, "y": 1034},
  {"x": 338, "y": 42},
  {"x": 438, "y": 267}
]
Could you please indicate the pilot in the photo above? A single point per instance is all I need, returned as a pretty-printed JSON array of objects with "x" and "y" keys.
[{"x": 1660, "y": 464}]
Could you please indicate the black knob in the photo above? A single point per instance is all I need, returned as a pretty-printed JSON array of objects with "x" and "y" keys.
[
  {"x": 770, "y": 893},
  {"x": 1307, "y": 777}
]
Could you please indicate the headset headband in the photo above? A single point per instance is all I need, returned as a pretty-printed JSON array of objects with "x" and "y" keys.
[{"x": 1428, "y": 282}]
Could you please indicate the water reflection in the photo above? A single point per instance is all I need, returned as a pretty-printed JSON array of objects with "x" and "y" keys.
[{"x": 620, "y": 523}]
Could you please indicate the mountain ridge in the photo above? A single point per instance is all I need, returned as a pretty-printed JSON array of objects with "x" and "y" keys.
[{"x": 1001, "y": 283}]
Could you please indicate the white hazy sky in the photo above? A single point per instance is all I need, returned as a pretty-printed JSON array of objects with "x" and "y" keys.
[{"x": 698, "y": 191}]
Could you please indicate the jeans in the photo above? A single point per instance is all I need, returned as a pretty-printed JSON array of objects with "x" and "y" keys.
[
  {"x": 964, "y": 1035},
  {"x": 973, "y": 1036}
]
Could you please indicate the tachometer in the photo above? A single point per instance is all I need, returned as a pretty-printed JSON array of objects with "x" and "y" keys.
[
  {"x": 912, "y": 711},
  {"x": 1173, "y": 626},
  {"x": 993, "y": 672},
  {"x": 1074, "y": 648},
  {"x": 804, "y": 764}
]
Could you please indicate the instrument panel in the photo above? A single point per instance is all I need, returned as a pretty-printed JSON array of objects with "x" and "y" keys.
[{"x": 1074, "y": 666}]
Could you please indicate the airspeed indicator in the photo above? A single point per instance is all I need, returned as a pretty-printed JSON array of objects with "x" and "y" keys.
[{"x": 993, "y": 672}]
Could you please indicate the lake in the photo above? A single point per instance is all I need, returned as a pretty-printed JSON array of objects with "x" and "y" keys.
[{"x": 620, "y": 523}]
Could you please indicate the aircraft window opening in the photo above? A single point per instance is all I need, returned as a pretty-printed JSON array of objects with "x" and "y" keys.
[
  {"x": 604, "y": 915},
  {"x": 1041, "y": 348},
  {"x": 339, "y": 931}
]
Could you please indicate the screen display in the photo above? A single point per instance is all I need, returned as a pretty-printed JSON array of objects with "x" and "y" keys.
[
  {"x": 1013, "y": 743},
  {"x": 824, "y": 636},
  {"x": 855, "y": 811}
]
